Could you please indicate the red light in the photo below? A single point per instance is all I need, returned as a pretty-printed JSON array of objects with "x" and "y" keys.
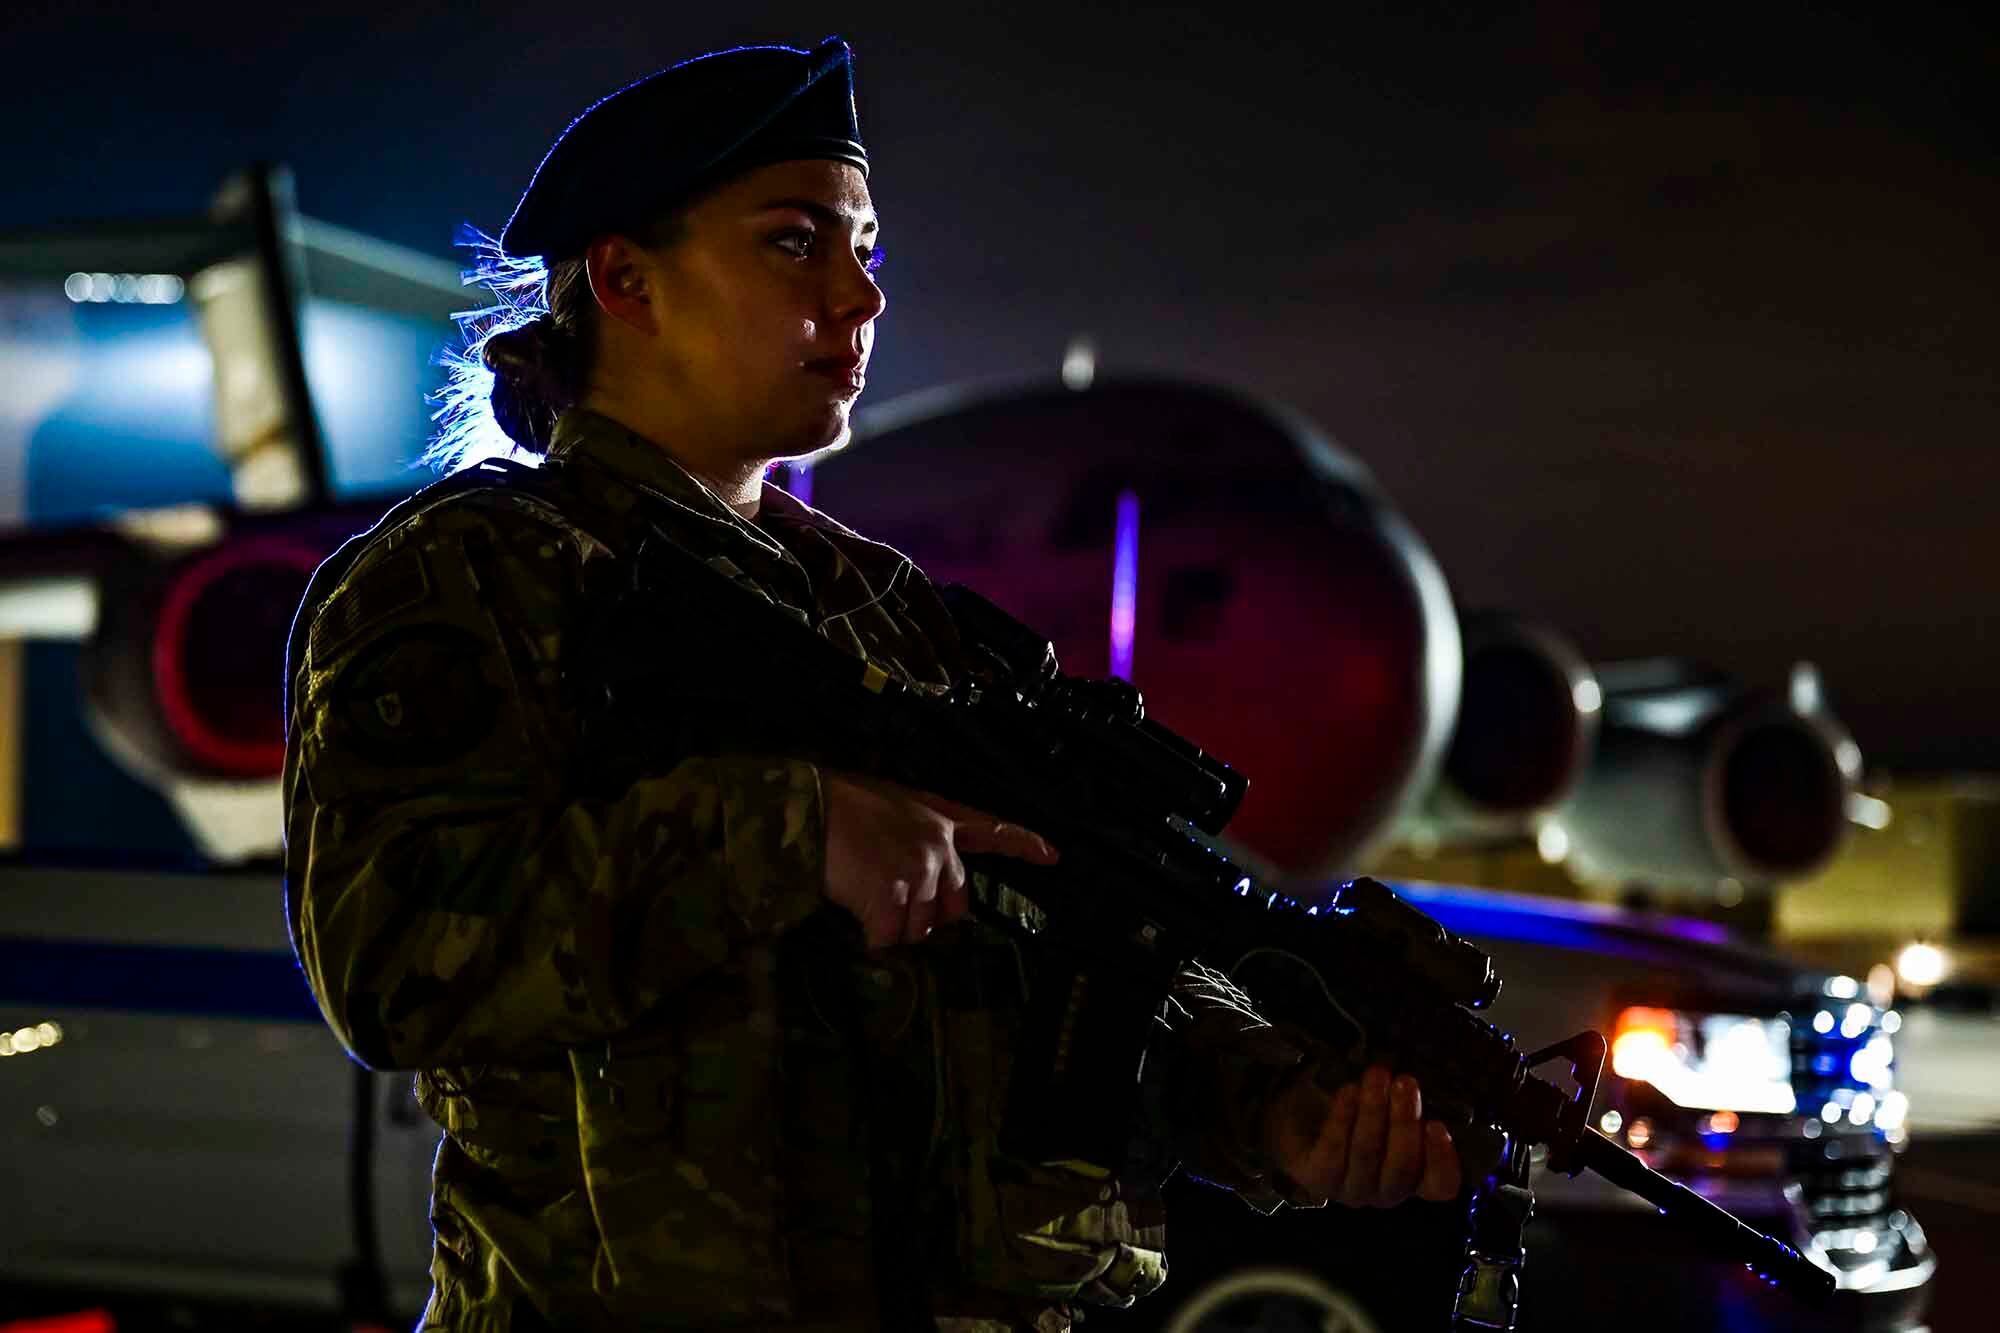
[
  {"x": 219, "y": 651},
  {"x": 1642, "y": 1038},
  {"x": 83, "y": 1321}
]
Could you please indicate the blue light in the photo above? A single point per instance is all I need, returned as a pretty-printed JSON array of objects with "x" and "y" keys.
[
  {"x": 1243, "y": 887},
  {"x": 1497, "y": 915},
  {"x": 799, "y": 482},
  {"x": 1125, "y": 585}
]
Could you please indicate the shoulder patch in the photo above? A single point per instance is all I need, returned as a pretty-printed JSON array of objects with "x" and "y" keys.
[
  {"x": 395, "y": 584},
  {"x": 418, "y": 698}
]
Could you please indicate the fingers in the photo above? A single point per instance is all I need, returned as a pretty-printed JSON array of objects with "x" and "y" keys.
[
  {"x": 1403, "y": 1161},
  {"x": 986, "y": 834},
  {"x": 923, "y": 909},
  {"x": 953, "y": 901},
  {"x": 1361, "y": 1185},
  {"x": 1441, "y": 1181},
  {"x": 974, "y": 830},
  {"x": 1327, "y": 1165}
]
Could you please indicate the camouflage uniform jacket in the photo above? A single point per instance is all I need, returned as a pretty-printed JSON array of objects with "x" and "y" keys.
[{"x": 657, "y": 1061}]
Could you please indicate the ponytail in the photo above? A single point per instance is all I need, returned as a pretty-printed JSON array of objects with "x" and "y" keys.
[{"x": 522, "y": 361}]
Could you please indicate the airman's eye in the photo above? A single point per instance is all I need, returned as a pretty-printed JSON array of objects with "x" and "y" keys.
[{"x": 795, "y": 241}]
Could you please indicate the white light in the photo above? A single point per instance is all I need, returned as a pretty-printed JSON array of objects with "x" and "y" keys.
[
  {"x": 1892, "y": 1022},
  {"x": 49, "y": 1033},
  {"x": 1868, "y": 811},
  {"x": 1808, "y": 696},
  {"x": 1848, "y": 755},
  {"x": 1079, "y": 366},
  {"x": 1922, "y": 964},
  {"x": 124, "y": 288},
  {"x": 1856, "y": 1022},
  {"x": 1890, "y": 1115},
  {"x": 1864, "y": 1106},
  {"x": 1830, "y": 1113},
  {"x": 1842, "y": 988},
  {"x": 1864, "y": 1241},
  {"x": 1587, "y": 696},
  {"x": 1823, "y": 1021},
  {"x": 1745, "y": 1065},
  {"x": 26, "y": 1039},
  {"x": 1552, "y": 842},
  {"x": 161, "y": 288},
  {"x": 1611, "y": 1122},
  {"x": 1871, "y": 1063},
  {"x": 55, "y": 608}
]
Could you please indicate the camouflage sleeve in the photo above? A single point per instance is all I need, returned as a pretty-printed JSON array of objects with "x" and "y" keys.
[
  {"x": 1223, "y": 1063},
  {"x": 452, "y": 900}
]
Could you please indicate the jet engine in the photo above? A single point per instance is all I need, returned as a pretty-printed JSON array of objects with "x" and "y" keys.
[{"x": 1698, "y": 779}]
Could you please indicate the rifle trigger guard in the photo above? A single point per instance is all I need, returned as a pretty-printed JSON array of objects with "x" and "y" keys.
[{"x": 1584, "y": 1054}]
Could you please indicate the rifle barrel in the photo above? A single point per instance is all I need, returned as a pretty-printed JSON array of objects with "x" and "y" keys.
[{"x": 1722, "y": 1232}]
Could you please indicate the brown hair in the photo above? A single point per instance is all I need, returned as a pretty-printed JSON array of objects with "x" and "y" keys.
[
  {"x": 541, "y": 368},
  {"x": 525, "y": 359}
]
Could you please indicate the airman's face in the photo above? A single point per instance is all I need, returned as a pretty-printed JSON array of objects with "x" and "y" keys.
[{"x": 767, "y": 306}]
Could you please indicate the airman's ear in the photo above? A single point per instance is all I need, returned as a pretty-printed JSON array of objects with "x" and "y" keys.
[{"x": 618, "y": 282}]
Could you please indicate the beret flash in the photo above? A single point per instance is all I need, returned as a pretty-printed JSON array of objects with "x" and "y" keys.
[{"x": 659, "y": 141}]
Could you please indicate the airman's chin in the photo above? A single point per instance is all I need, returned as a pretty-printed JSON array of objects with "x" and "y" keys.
[{"x": 833, "y": 434}]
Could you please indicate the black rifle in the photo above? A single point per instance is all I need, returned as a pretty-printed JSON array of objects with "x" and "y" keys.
[{"x": 695, "y": 659}]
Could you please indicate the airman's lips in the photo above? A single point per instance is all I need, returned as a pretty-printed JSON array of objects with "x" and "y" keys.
[{"x": 844, "y": 369}]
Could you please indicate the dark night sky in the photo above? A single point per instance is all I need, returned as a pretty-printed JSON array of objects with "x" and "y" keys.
[{"x": 1672, "y": 330}]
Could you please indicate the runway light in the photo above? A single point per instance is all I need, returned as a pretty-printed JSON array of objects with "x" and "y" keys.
[
  {"x": 1723, "y": 1122},
  {"x": 1856, "y": 1021},
  {"x": 1611, "y": 1122},
  {"x": 1641, "y": 1133},
  {"x": 1842, "y": 988},
  {"x": 1922, "y": 964},
  {"x": 1830, "y": 1113},
  {"x": 1823, "y": 1021},
  {"x": 1552, "y": 843}
]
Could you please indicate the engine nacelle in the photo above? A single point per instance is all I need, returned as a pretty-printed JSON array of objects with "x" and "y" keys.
[
  {"x": 1527, "y": 724},
  {"x": 1697, "y": 780}
]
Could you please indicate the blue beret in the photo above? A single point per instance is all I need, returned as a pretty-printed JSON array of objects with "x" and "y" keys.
[{"x": 652, "y": 144}]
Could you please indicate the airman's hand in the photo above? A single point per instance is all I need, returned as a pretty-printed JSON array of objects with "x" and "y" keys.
[
  {"x": 892, "y": 854},
  {"x": 1367, "y": 1146}
]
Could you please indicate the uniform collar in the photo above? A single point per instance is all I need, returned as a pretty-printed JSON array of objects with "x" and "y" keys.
[{"x": 592, "y": 439}]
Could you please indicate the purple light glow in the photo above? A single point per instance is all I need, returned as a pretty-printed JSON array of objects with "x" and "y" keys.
[
  {"x": 1125, "y": 584},
  {"x": 799, "y": 482}
]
